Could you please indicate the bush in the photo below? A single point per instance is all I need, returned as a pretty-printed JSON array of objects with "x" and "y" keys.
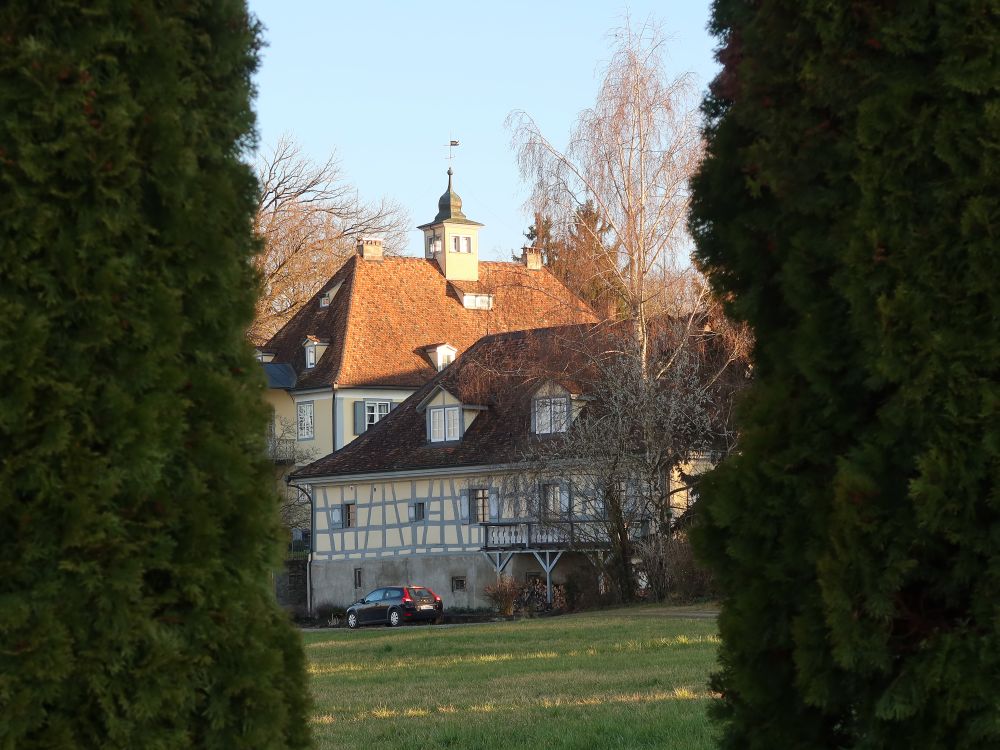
[
  {"x": 504, "y": 594},
  {"x": 330, "y": 614},
  {"x": 138, "y": 526},
  {"x": 672, "y": 572},
  {"x": 847, "y": 211}
]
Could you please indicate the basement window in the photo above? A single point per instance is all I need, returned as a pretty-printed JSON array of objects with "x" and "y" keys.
[{"x": 458, "y": 583}]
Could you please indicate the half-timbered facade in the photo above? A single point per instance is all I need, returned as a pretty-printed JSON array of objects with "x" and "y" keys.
[{"x": 441, "y": 493}]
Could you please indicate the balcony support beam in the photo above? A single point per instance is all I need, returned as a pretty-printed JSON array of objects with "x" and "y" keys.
[
  {"x": 498, "y": 560},
  {"x": 547, "y": 565}
]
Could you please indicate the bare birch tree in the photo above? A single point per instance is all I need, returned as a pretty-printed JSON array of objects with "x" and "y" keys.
[
  {"x": 663, "y": 389},
  {"x": 631, "y": 157},
  {"x": 309, "y": 218}
]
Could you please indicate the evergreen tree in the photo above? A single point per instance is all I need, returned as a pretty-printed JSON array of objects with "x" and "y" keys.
[
  {"x": 848, "y": 210},
  {"x": 137, "y": 525}
]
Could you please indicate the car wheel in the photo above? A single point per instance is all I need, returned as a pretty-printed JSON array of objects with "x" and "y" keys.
[
  {"x": 395, "y": 618},
  {"x": 352, "y": 620}
]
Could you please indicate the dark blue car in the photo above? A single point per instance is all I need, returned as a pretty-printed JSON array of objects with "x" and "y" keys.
[{"x": 394, "y": 605}]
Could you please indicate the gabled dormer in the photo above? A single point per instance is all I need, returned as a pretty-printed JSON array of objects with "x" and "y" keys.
[
  {"x": 441, "y": 355},
  {"x": 553, "y": 408},
  {"x": 264, "y": 355},
  {"x": 327, "y": 297},
  {"x": 447, "y": 418},
  {"x": 452, "y": 239},
  {"x": 313, "y": 348}
]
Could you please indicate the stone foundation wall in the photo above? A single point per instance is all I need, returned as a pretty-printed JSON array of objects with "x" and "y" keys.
[{"x": 333, "y": 580}]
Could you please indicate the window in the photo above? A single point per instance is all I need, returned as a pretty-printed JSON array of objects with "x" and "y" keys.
[
  {"x": 304, "y": 421},
  {"x": 310, "y": 357},
  {"x": 418, "y": 511},
  {"x": 349, "y": 517},
  {"x": 357, "y": 578},
  {"x": 461, "y": 244},
  {"x": 551, "y": 415},
  {"x": 458, "y": 583},
  {"x": 479, "y": 505},
  {"x": 375, "y": 410},
  {"x": 445, "y": 423},
  {"x": 324, "y": 300},
  {"x": 551, "y": 499},
  {"x": 446, "y": 359}
]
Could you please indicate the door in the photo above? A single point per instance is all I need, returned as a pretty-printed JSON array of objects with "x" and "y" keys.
[
  {"x": 372, "y": 601},
  {"x": 380, "y": 608}
]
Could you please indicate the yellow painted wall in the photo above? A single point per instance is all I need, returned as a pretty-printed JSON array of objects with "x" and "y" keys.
[
  {"x": 346, "y": 397},
  {"x": 456, "y": 266}
]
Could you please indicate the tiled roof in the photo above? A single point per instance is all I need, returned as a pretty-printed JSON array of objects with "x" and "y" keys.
[
  {"x": 387, "y": 312},
  {"x": 500, "y": 372}
]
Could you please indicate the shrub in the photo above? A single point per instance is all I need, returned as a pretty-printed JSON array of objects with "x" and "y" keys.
[
  {"x": 503, "y": 594},
  {"x": 330, "y": 614},
  {"x": 672, "y": 572},
  {"x": 138, "y": 525},
  {"x": 847, "y": 211}
]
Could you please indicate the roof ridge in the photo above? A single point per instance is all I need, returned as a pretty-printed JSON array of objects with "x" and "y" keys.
[{"x": 350, "y": 274}]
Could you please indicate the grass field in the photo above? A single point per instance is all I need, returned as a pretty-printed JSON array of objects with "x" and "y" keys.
[{"x": 628, "y": 678}]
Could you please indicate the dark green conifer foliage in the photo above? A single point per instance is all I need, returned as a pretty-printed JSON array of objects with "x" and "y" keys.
[
  {"x": 137, "y": 526},
  {"x": 849, "y": 209}
]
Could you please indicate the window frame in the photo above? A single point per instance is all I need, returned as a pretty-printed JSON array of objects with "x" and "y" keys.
[
  {"x": 455, "y": 580},
  {"x": 545, "y": 405},
  {"x": 377, "y": 403},
  {"x": 479, "y": 507},
  {"x": 299, "y": 432},
  {"x": 310, "y": 356},
  {"x": 458, "y": 241},
  {"x": 349, "y": 518},
  {"x": 444, "y": 412},
  {"x": 358, "y": 578}
]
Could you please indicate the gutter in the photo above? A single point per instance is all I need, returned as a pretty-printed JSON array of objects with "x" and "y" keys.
[{"x": 312, "y": 542}]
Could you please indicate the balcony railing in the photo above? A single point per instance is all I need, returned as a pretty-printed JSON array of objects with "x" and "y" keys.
[
  {"x": 281, "y": 450},
  {"x": 509, "y": 535}
]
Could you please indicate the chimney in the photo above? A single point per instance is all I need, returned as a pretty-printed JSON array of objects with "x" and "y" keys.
[
  {"x": 370, "y": 249},
  {"x": 532, "y": 257}
]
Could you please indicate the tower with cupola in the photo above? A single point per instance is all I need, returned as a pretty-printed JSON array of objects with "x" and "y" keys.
[{"x": 452, "y": 239}]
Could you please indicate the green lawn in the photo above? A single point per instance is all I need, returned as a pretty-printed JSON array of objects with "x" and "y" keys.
[{"x": 617, "y": 679}]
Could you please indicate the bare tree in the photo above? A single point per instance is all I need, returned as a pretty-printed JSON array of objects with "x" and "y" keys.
[
  {"x": 663, "y": 391},
  {"x": 636, "y": 442},
  {"x": 294, "y": 505},
  {"x": 309, "y": 217},
  {"x": 629, "y": 160}
]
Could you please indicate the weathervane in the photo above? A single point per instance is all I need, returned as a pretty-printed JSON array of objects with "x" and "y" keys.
[{"x": 451, "y": 145}]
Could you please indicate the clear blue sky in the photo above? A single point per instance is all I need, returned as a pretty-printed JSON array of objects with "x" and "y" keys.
[{"x": 386, "y": 84}]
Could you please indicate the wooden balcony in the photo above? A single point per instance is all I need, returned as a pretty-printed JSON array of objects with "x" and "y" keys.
[{"x": 550, "y": 535}]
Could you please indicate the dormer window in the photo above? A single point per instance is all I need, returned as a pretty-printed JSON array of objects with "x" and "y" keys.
[
  {"x": 550, "y": 414},
  {"x": 324, "y": 300},
  {"x": 441, "y": 355},
  {"x": 444, "y": 423},
  {"x": 478, "y": 301},
  {"x": 313, "y": 349}
]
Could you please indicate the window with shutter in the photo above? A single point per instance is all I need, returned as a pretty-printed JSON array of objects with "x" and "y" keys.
[{"x": 479, "y": 502}]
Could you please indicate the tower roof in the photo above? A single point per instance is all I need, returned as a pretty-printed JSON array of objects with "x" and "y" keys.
[{"x": 450, "y": 208}]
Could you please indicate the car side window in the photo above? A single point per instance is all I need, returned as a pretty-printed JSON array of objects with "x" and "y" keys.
[
  {"x": 374, "y": 596},
  {"x": 393, "y": 593}
]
